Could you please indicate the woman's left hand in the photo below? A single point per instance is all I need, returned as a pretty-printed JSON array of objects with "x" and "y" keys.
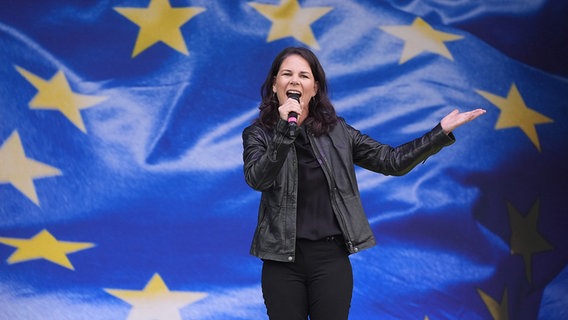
[{"x": 455, "y": 119}]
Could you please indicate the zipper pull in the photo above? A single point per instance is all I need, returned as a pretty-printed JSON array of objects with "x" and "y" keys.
[{"x": 350, "y": 246}]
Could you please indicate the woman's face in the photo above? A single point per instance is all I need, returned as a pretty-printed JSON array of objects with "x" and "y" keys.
[{"x": 295, "y": 76}]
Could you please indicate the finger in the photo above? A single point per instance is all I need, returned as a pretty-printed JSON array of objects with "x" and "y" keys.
[
  {"x": 454, "y": 112},
  {"x": 476, "y": 113}
]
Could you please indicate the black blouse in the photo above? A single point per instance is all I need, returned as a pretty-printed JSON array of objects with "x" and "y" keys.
[{"x": 315, "y": 218}]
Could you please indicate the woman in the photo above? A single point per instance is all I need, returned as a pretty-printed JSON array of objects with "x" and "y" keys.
[{"x": 310, "y": 215}]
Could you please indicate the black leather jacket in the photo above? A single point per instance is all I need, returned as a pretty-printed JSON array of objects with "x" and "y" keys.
[{"x": 270, "y": 166}]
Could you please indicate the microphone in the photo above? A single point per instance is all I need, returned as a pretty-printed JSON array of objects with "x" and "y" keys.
[{"x": 293, "y": 116}]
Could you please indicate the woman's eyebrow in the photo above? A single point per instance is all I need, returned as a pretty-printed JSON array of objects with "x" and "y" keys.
[{"x": 301, "y": 72}]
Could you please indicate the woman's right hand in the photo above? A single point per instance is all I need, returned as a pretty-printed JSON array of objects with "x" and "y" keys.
[{"x": 288, "y": 106}]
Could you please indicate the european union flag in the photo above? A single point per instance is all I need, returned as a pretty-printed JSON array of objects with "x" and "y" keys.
[{"x": 121, "y": 187}]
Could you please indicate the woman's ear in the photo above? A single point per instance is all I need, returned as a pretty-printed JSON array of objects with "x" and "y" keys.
[{"x": 274, "y": 85}]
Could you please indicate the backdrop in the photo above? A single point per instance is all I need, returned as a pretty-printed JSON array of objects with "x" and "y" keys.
[{"x": 121, "y": 187}]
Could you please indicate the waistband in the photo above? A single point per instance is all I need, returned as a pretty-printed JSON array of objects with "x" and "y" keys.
[{"x": 338, "y": 238}]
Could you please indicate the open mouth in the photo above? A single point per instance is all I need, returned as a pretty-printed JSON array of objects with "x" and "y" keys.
[{"x": 290, "y": 92}]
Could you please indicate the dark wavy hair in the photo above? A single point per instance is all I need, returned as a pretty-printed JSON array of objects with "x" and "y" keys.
[{"x": 322, "y": 116}]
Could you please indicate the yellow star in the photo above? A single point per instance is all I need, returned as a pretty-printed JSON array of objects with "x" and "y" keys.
[
  {"x": 515, "y": 113},
  {"x": 499, "y": 311},
  {"x": 156, "y": 301},
  {"x": 420, "y": 37},
  {"x": 525, "y": 239},
  {"x": 56, "y": 94},
  {"x": 159, "y": 22},
  {"x": 291, "y": 20},
  {"x": 19, "y": 170},
  {"x": 44, "y": 246}
]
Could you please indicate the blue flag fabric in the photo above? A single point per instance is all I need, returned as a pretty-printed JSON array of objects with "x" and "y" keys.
[{"x": 121, "y": 187}]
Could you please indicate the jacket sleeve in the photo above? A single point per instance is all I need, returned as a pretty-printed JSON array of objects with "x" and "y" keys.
[
  {"x": 397, "y": 161},
  {"x": 264, "y": 154}
]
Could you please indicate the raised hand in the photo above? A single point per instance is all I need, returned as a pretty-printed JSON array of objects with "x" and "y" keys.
[{"x": 455, "y": 119}]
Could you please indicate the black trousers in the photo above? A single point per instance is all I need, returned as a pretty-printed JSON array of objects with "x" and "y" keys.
[{"x": 319, "y": 283}]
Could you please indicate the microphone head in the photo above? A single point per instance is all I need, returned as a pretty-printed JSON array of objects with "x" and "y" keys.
[{"x": 294, "y": 96}]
